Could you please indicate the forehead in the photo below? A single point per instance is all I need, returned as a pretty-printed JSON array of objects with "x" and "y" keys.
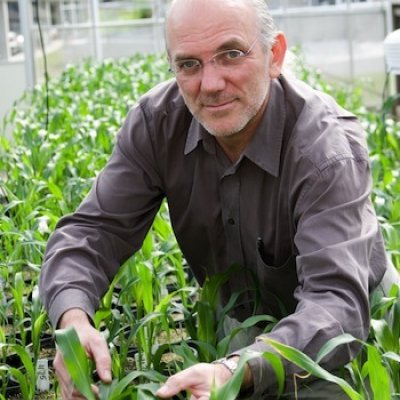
[{"x": 204, "y": 25}]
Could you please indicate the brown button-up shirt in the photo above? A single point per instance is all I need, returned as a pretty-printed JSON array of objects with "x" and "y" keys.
[{"x": 293, "y": 212}]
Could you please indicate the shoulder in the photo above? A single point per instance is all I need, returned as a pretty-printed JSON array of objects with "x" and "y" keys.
[
  {"x": 158, "y": 121},
  {"x": 324, "y": 132},
  {"x": 162, "y": 112},
  {"x": 162, "y": 98}
]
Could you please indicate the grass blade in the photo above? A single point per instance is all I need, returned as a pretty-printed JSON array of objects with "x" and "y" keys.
[
  {"x": 231, "y": 389},
  {"x": 378, "y": 375},
  {"x": 330, "y": 345},
  {"x": 392, "y": 356},
  {"x": 307, "y": 364},
  {"x": 76, "y": 360},
  {"x": 277, "y": 365}
]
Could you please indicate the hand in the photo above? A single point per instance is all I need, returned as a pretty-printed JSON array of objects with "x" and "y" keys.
[
  {"x": 198, "y": 380},
  {"x": 96, "y": 348}
]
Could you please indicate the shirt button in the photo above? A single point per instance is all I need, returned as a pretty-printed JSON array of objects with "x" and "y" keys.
[{"x": 231, "y": 221}]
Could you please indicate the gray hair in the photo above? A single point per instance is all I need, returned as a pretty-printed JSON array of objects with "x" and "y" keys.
[{"x": 265, "y": 22}]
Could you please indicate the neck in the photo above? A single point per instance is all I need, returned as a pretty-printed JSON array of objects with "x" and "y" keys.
[{"x": 234, "y": 145}]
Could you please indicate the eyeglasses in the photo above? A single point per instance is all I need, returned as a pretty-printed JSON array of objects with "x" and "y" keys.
[{"x": 225, "y": 59}]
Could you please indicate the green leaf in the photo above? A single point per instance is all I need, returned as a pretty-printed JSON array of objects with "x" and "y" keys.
[
  {"x": 106, "y": 389},
  {"x": 392, "y": 356},
  {"x": 383, "y": 334},
  {"x": 279, "y": 369},
  {"x": 147, "y": 246},
  {"x": 146, "y": 281},
  {"x": 330, "y": 345},
  {"x": 251, "y": 321},
  {"x": 22, "y": 381},
  {"x": 26, "y": 359},
  {"x": 119, "y": 387},
  {"x": 307, "y": 364},
  {"x": 187, "y": 353},
  {"x": 76, "y": 360},
  {"x": 101, "y": 315},
  {"x": 55, "y": 190},
  {"x": 231, "y": 389},
  {"x": 378, "y": 375},
  {"x": 37, "y": 329},
  {"x": 206, "y": 324},
  {"x": 147, "y": 391}
]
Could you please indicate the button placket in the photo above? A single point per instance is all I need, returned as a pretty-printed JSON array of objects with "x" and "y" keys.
[{"x": 230, "y": 197}]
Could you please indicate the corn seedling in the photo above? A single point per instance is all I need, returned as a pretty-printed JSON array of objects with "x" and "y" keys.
[{"x": 79, "y": 367}]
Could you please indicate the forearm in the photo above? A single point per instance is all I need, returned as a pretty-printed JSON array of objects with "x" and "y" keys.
[
  {"x": 73, "y": 274},
  {"x": 89, "y": 246}
]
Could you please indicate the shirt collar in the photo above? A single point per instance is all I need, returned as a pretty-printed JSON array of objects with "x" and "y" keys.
[
  {"x": 197, "y": 133},
  {"x": 265, "y": 147}
]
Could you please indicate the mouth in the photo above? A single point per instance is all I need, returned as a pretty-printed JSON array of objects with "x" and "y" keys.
[{"x": 219, "y": 106}]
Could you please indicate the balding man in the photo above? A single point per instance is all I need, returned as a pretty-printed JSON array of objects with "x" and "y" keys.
[{"x": 260, "y": 171}]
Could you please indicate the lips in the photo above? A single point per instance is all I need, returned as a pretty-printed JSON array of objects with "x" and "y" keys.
[{"x": 220, "y": 105}]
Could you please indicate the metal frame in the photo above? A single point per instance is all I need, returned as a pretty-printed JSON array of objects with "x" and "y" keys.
[
  {"x": 347, "y": 7},
  {"x": 25, "y": 13}
]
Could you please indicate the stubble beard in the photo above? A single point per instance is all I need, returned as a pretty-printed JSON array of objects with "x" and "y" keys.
[{"x": 240, "y": 125}]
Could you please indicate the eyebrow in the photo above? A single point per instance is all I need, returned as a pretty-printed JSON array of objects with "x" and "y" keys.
[
  {"x": 228, "y": 45},
  {"x": 231, "y": 44}
]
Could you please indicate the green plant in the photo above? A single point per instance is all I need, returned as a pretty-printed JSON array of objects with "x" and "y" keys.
[
  {"x": 26, "y": 375},
  {"x": 44, "y": 174},
  {"x": 375, "y": 372},
  {"x": 80, "y": 369}
]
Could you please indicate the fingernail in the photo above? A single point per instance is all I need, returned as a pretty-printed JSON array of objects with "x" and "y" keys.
[{"x": 107, "y": 375}]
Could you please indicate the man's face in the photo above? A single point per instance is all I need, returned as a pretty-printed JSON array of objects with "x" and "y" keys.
[{"x": 224, "y": 99}]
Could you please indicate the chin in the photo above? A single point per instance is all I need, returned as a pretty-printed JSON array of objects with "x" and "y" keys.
[{"x": 223, "y": 131}]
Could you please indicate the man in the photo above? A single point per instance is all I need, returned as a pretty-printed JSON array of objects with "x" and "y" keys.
[{"x": 259, "y": 171}]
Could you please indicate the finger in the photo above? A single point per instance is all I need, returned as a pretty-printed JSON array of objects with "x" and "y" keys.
[
  {"x": 181, "y": 381},
  {"x": 166, "y": 391},
  {"x": 98, "y": 350},
  {"x": 96, "y": 391},
  {"x": 68, "y": 391},
  {"x": 63, "y": 377},
  {"x": 172, "y": 386}
]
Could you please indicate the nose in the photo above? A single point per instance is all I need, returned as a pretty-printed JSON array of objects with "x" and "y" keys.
[{"x": 212, "y": 78}]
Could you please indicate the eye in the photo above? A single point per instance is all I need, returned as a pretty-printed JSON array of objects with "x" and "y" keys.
[
  {"x": 232, "y": 54},
  {"x": 188, "y": 65},
  {"x": 229, "y": 57}
]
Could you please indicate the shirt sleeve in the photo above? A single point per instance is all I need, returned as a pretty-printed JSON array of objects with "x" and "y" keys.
[
  {"x": 336, "y": 229},
  {"x": 87, "y": 247}
]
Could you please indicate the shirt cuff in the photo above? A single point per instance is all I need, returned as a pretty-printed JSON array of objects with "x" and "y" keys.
[{"x": 66, "y": 300}]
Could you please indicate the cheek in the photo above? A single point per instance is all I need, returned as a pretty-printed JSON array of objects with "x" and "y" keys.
[
  {"x": 257, "y": 82},
  {"x": 188, "y": 90}
]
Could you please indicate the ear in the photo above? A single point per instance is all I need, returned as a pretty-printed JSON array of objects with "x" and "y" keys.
[{"x": 278, "y": 52}]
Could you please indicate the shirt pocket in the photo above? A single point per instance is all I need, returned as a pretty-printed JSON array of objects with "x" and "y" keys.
[{"x": 277, "y": 284}]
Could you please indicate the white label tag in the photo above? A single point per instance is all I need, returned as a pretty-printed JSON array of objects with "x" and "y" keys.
[{"x": 42, "y": 373}]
